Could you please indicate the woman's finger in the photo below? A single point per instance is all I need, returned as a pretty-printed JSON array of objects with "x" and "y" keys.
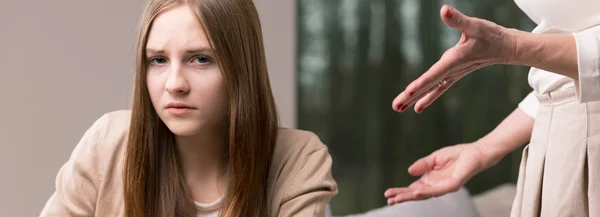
[
  {"x": 428, "y": 80},
  {"x": 420, "y": 87},
  {"x": 439, "y": 189},
  {"x": 422, "y": 166},
  {"x": 416, "y": 89},
  {"x": 415, "y": 99},
  {"x": 400, "y": 195},
  {"x": 390, "y": 201},
  {"x": 406, "y": 196},
  {"x": 455, "y": 19},
  {"x": 398, "y": 104},
  {"x": 427, "y": 100},
  {"x": 392, "y": 192},
  {"x": 458, "y": 73}
]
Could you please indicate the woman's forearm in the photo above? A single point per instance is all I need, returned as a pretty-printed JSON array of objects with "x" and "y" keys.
[
  {"x": 555, "y": 53},
  {"x": 514, "y": 131}
]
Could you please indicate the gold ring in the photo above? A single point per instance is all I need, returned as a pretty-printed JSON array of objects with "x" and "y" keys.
[{"x": 442, "y": 82}]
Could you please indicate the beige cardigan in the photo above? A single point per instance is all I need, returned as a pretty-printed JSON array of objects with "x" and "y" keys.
[{"x": 90, "y": 182}]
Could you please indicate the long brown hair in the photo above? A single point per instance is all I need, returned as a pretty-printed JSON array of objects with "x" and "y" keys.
[{"x": 153, "y": 181}]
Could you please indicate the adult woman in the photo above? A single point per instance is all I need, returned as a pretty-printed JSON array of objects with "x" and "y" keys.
[
  {"x": 202, "y": 138},
  {"x": 559, "y": 173}
]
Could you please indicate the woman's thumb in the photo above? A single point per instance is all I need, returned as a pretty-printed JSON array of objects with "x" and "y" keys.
[
  {"x": 454, "y": 18},
  {"x": 421, "y": 166}
]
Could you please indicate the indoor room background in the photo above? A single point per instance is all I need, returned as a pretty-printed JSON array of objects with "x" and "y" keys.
[{"x": 335, "y": 67}]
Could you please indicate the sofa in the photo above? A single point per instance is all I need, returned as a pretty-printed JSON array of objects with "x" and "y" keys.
[{"x": 495, "y": 202}]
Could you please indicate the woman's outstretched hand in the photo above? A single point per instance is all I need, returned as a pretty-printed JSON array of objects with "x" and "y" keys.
[
  {"x": 482, "y": 43},
  {"x": 442, "y": 172}
]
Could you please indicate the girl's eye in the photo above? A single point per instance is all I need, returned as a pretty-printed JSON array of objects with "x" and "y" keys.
[
  {"x": 157, "y": 60},
  {"x": 202, "y": 60}
]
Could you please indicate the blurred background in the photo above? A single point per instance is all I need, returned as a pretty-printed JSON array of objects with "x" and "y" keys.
[
  {"x": 355, "y": 56},
  {"x": 335, "y": 67}
]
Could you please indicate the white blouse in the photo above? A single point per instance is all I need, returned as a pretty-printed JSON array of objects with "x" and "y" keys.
[
  {"x": 580, "y": 18},
  {"x": 208, "y": 209}
]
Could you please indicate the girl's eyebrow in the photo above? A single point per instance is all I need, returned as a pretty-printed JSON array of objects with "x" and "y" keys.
[{"x": 155, "y": 51}]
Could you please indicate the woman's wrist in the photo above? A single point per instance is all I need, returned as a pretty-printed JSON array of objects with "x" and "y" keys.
[
  {"x": 492, "y": 152},
  {"x": 551, "y": 52},
  {"x": 518, "y": 43}
]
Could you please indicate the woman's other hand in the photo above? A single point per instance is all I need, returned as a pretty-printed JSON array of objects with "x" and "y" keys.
[
  {"x": 442, "y": 172},
  {"x": 482, "y": 43}
]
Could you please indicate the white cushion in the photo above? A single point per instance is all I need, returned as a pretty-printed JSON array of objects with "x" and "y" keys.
[{"x": 456, "y": 204}]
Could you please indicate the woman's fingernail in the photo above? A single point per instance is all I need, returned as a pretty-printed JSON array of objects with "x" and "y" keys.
[
  {"x": 449, "y": 13},
  {"x": 403, "y": 107},
  {"x": 419, "y": 110}
]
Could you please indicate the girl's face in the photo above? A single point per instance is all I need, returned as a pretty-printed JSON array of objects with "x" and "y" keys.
[{"x": 184, "y": 82}]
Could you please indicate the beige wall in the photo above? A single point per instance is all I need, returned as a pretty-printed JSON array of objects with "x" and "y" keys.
[{"x": 64, "y": 63}]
